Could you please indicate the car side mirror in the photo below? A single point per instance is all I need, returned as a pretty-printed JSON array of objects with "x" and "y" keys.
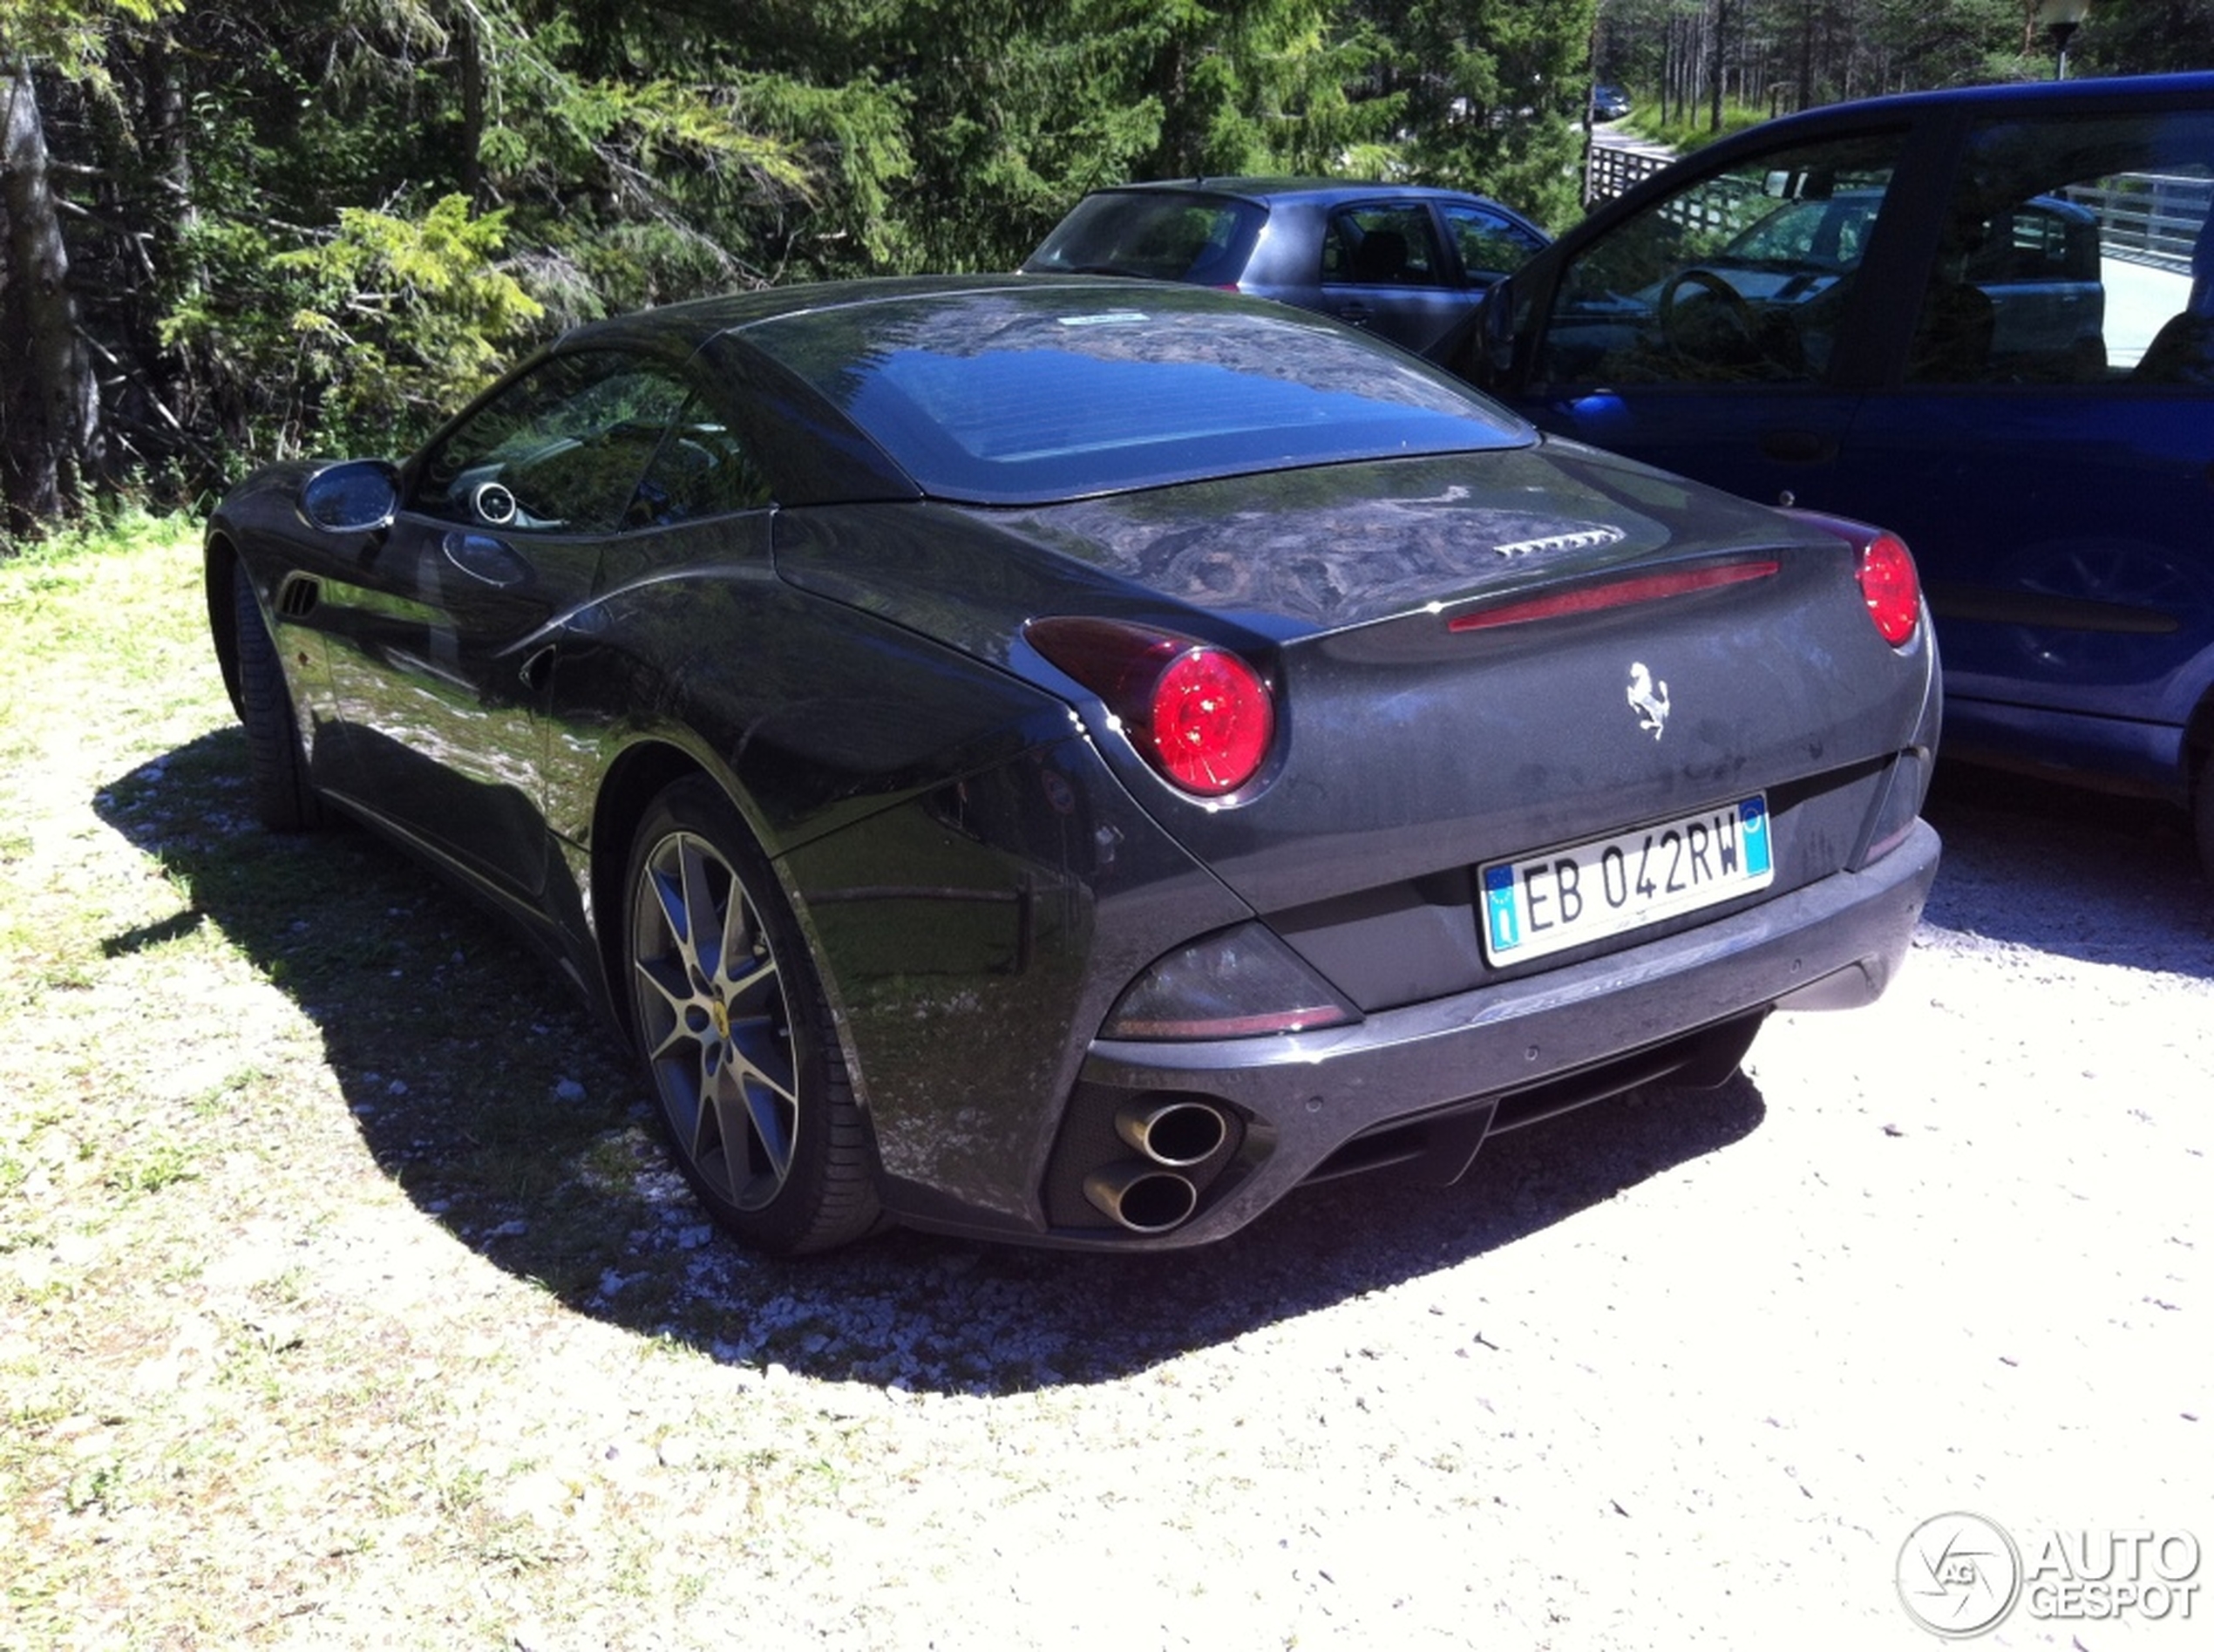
[
  {"x": 359, "y": 496},
  {"x": 1485, "y": 357}
]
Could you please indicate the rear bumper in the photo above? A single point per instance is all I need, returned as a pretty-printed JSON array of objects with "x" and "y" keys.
[{"x": 1302, "y": 1098}]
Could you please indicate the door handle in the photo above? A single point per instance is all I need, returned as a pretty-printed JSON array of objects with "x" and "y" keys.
[
  {"x": 482, "y": 557},
  {"x": 1798, "y": 446}
]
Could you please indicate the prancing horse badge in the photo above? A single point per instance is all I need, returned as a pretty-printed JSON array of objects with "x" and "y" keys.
[{"x": 1648, "y": 699}]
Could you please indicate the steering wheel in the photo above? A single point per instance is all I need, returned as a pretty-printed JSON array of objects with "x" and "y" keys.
[{"x": 1732, "y": 313}]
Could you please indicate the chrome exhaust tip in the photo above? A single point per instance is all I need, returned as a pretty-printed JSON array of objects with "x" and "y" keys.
[
  {"x": 1178, "y": 1132},
  {"x": 1142, "y": 1198}
]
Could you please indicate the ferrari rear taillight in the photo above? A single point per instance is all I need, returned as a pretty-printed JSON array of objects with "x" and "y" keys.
[
  {"x": 1198, "y": 713},
  {"x": 1889, "y": 584},
  {"x": 1212, "y": 720},
  {"x": 1891, "y": 588}
]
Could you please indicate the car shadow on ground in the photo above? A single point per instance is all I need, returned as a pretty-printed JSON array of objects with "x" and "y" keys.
[
  {"x": 2085, "y": 875},
  {"x": 484, "y": 1090}
]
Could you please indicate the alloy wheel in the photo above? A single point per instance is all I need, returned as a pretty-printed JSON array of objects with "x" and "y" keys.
[{"x": 716, "y": 1027}]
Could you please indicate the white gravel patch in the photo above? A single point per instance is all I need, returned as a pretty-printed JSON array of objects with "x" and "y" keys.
[{"x": 1683, "y": 1370}]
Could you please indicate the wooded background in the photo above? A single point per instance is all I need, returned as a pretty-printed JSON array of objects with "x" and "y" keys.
[{"x": 230, "y": 233}]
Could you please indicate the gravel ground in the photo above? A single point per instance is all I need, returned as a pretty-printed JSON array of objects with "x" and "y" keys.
[{"x": 1682, "y": 1369}]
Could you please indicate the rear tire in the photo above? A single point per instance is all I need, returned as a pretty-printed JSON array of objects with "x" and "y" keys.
[
  {"x": 277, "y": 764},
  {"x": 731, "y": 1018}
]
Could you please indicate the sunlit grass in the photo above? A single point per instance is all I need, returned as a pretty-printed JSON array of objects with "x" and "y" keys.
[{"x": 1685, "y": 128}]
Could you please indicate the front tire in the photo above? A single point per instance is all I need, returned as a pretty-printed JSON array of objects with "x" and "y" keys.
[
  {"x": 277, "y": 764},
  {"x": 731, "y": 1018}
]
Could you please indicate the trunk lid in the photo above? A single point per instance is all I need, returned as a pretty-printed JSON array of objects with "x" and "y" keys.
[{"x": 1407, "y": 747}]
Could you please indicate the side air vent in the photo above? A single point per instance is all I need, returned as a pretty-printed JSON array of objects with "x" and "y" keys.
[{"x": 299, "y": 597}]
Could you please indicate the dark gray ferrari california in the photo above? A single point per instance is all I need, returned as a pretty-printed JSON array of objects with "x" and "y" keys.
[{"x": 1072, "y": 761}]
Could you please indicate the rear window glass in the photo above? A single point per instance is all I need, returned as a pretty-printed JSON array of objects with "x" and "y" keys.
[
  {"x": 1203, "y": 239},
  {"x": 1028, "y": 397}
]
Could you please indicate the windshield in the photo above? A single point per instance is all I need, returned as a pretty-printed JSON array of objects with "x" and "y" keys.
[
  {"x": 1821, "y": 235},
  {"x": 1058, "y": 391}
]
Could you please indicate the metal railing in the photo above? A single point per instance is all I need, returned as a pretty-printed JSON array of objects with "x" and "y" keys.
[
  {"x": 1613, "y": 170},
  {"x": 2149, "y": 217}
]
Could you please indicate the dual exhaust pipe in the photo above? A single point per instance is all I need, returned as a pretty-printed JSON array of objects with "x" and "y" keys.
[{"x": 1152, "y": 1194}]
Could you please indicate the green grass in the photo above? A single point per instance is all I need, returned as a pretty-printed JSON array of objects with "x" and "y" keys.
[
  {"x": 227, "y": 1050},
  {"x": 1687, "y": 130},
  {"x": 346, "y": 1296}
]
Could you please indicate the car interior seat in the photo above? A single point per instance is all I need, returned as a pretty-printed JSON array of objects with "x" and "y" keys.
[
  {"x": 1381, "y": 257},
  {"x": 2182, "y": 352},
  {"x": 1952, "y": 336}
]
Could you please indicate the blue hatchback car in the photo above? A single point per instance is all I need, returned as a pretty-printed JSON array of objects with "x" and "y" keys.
[{"x": 1983, "y": 317}]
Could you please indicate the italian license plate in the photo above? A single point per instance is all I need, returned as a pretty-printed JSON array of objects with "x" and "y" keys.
[{"x": 1543, "y": 903}]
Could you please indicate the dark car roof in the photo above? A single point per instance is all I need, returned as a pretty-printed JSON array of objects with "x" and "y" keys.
[
  {"x": 2029, "y": 93},
  {"x": 694, "y": 321},
  {"x": 1320, "y": 191},
  {"x": 2042, "y": 96}
]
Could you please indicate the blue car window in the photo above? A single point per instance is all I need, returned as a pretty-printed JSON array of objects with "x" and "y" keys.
[
  {"x": 1490, "y": 243},
  {"x": 1742, "y": 276},
  {"x": 1161, "y": 235},
  {"x": 2070, "y": 247},
  {"x": 1829, "y": 233}
]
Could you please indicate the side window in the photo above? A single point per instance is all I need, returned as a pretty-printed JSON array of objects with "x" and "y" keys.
[
  {"x": 699, "y": 470},
  {"x": 2076, "y": 252},
  {"x": 1382, "y": 245},
  {"x": 562, "y": 450},
  {"x": 1742, "y": 276},
  {"x": 1490, "y": 244}
]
